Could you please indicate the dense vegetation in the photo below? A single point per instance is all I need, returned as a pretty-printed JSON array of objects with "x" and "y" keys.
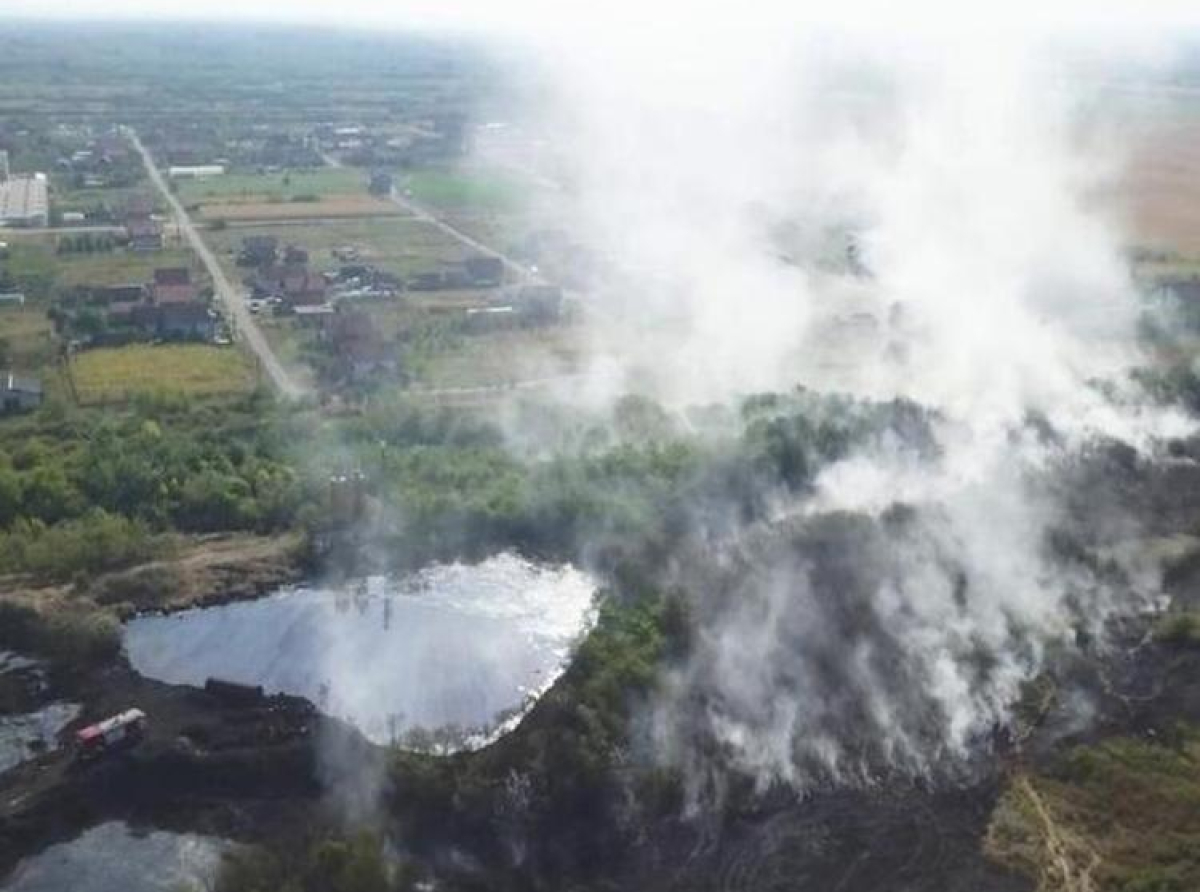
[
  {"x": 84, "y": 491},
  {"x": 334, "y": 864},
  {"x": 606, "y": 488}
]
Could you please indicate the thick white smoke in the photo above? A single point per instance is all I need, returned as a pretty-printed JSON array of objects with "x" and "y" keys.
[{"x": 910, "y": 221}]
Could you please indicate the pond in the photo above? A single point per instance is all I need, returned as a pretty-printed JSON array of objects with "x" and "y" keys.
[
  {"x": 444, "y": 658},
  {"x": 113, "y": 857}
]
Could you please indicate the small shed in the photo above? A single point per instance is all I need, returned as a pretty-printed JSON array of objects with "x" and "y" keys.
[{"x": 19, "y": 394}]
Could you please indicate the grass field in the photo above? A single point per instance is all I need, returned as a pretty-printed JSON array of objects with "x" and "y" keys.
[
  {"x": 402, "y": 246},
  {"x": 33, "y": 257},
  {"x": 231, "y": 188},
  {"x": 65, "y": 198},
  {"x": 116, "y": 374},
  {"x": 119, "y": 267},
  {"x": 331, "y": 207},
  {"x": 26, "y": 332},
  {"x": 478, "y": 191}
]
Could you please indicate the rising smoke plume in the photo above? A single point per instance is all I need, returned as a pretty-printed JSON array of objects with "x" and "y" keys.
[{"x": 884, "y": 220}]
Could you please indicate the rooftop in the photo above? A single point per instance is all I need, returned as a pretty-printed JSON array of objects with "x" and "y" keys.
[
  {"x": 24, "y": 198},
  {"x": 13, "y": 384}
]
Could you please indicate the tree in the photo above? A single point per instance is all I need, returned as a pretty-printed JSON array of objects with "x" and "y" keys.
[{"x": 10, "y": 496}]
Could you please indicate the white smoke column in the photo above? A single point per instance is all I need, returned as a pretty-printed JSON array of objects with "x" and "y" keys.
[{"x": 716, "y": 172}]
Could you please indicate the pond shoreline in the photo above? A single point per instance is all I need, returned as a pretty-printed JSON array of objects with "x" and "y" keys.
[{"x": 441, "y": 660}]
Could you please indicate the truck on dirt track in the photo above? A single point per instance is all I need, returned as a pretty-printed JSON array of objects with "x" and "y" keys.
[{"x": 118, "y": 732}]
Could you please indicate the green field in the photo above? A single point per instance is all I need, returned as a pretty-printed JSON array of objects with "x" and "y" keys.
[
  {"x": 116, "y": 374},
  {"x": 401, "y": 246},
  {"x": 274, "y": 187},
  {"x": 65, "y": 198},
  {"x": 38, "y": 268},
  {"x": 477, "y": 191}
]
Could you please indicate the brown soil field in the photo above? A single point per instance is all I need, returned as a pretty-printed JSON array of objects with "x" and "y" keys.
[{"x": 1159, "y": 192}]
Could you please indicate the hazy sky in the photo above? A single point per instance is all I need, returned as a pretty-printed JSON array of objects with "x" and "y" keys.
[{"x": 547, "y": 15}]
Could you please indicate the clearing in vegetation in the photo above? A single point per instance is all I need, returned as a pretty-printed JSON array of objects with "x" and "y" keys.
[
  {"x": 403, "y": 246},
  {"x": 1121, "y": 815},
  {"x": 297, "y": 194},
  {"x": 117, "y": 374},
  {"x": 292, "y": 185}
]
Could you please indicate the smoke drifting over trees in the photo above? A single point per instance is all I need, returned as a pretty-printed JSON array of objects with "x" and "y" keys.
[{"x": 916, "y": 222}]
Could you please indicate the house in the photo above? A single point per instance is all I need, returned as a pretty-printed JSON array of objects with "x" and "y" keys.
[
  {"x": 294, "y": 255},
  {"x": 24, "y": 201},
  {"x": 162, "y": 295},
  {"x": 485, "y": 272},
  {"x": 110, "y": 295},
  {"x": 456, "y": 278},
  {"x": 19, "y": 394},
  {"x": 195, "y": 171},
  {"x": 351, "y": 271},
  {"x": 125, "y": 313},
  {"x": 258, "y": 251},
  {"x": 145, "y": 235},
  {"x": 349, "y": 326},
  {"x": 172, "y": 275},
  {"x": 381, "y": 183},
  {"x": 304, "y": 289},
  {"x": 315, "y": 316},
  {"x": 137, "y": 207},
  {"x": 173, "y": 285},
  {"x": 267, "y": 281},
  {"x": 425, "y": 282},
  {"x": 187, "y": 321},
  {"x": 538, "y": 304},
  {"x": 358, "y": 350}
]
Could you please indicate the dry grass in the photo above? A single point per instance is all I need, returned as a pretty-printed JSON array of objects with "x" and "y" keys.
[
  {"x": 337, "y": 206},
  {"x": 117, "y": 374},
  {"x": 1122, "y": 815}
]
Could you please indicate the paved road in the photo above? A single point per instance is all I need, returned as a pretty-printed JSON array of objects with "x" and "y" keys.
[{"x": 244, "y": 321}]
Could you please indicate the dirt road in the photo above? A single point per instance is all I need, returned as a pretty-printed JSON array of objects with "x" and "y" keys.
[
  {"x": 234, "y": 302},
  {"x": 523, "y": 273}
]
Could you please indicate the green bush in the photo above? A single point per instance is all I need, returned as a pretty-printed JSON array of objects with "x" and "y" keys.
[
  {"x": 331, "y": 864},
  {"x": 93, "y": 543},
  {"x": 80, "y": 638}
]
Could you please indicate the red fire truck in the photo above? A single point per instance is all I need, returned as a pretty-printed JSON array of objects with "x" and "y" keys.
[{"x": 122, "y": 730}]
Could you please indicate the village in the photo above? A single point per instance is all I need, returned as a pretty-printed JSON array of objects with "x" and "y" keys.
[{"x": 346, "y": 246}]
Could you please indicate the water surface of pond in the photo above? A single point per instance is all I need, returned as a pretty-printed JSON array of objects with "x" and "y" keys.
[
  {"x": 452, "y": 647},
  {"x": 114, "y": 858}
]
